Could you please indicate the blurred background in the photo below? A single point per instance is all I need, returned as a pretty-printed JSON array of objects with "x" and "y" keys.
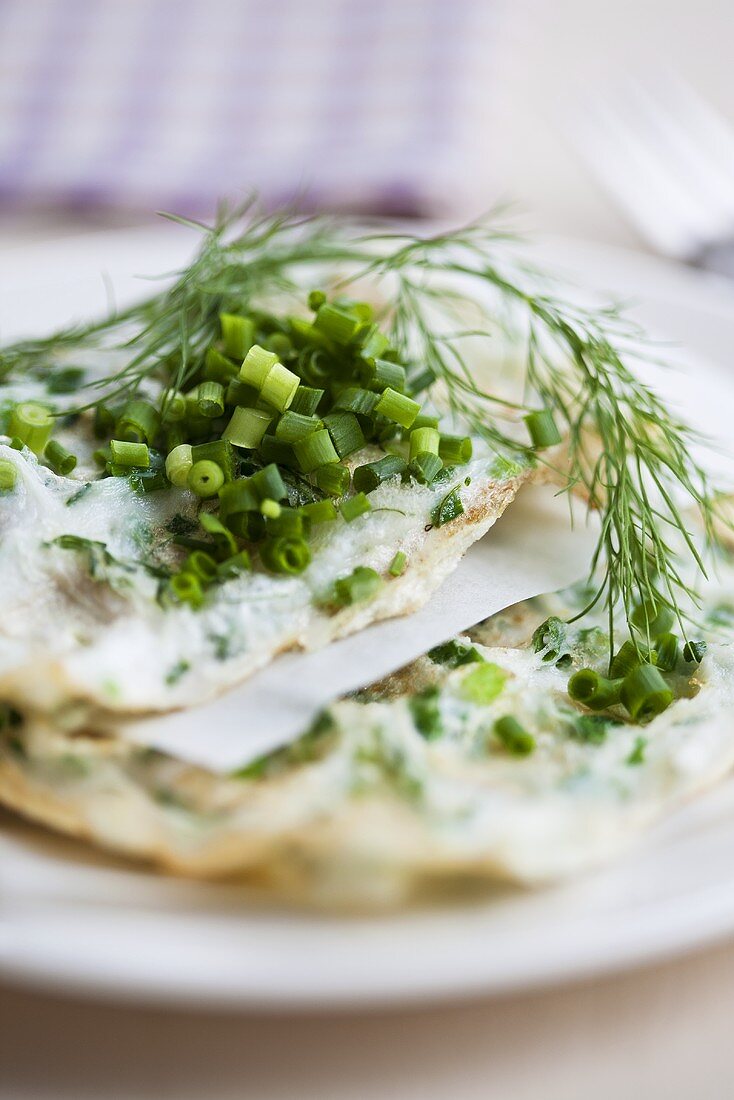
[{"x": 111, "y": 110}]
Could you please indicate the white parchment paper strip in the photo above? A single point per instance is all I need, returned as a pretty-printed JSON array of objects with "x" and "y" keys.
[{"x": 531, "y": 549}]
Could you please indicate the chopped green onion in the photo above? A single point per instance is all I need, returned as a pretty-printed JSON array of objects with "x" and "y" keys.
[
  {"x": 139, "y": 422},
  {"x": 205, "y": 478},
  {"x": 124, "y": 453},
  {"x": 219, "y": 451},
  {"x": 339, "y": 325},
  {"x": 382, "y": 375},
  {"x": 294, "y": 427},
  {"x": 268, "y": 483},
  {"x": 483, "y": 684},
  {"x": 425, "y": 467},
  {"x": 593, "y": 690},
  {"x": 64, "y": 380},
  {"x": 447, "y": 509},
  {"x": 667, "y": 649},
  {"x": 345, "y": 432},
  {"x": 356, "y": 400},
  {"x": 210, "y": 399},
  {"x": 652, "y": 619},
  {"x": 306, "y": 400},
  {"x": 8, "y": 475},
  {"x": 360, "y": 585},
  {"x": 236, "y": 499},
  {"x": 454, "y": 654},
  {"x": 289, "y": 523},
  {"x": 316, "y": 299},
  {"x": 257, "y": 365},
  {"x": 247, "y": 427},
  {"x": 32, "y": 423},
  {"x": 398, "y": 564},
  {"x": 279, "y": 388},
  {"x": 455, "y": 450},
  {"x": 514, "y": 737},
  {"x": 353, "y": 507},
  {"x": 549, "y": 640},
  {"x": 173, "y": 407},
  {"x": 273, "y": 450},
  {"x": 645, "y": 693},
  {"x": 103, "y": 424},
  {"x": 627, "y": 657},
  {"x": 178, "y": 465},
  {"x": 372, "y": 474},
  {"x": 186, "y": 588},
  {"x": 333, "y": 479},
  {"x": 59, "y": 459},
  {"x": 239, "y": 393},
  {"x": 234, "y": 566},
  {"x": 285, "y": 555},
  {"x": 425, "y": 712},
  {"x": 238, "y": 335},
  {"x": 202, "y": 565},
  {"x": 693, "y": 652},
  {"x": 424, "y": 440},
  {"x": 218, "y": 368},
  {"x": 316, "y": 450},
  {"x": 320, "y": 511},
  {"x": 423, "y": 420},
  {"x": 542, "y": 428},
  {"x": 270, "y": 509},
  {"x": 396, "y": 406}
]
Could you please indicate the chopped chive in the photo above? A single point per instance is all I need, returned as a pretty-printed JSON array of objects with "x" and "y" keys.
[
  {"x": 333, "y": 479},
  {"x": 455, "y": 450},
  {"x": 356, "y": 400},
  {"x": 424, "y": 440},
  {"x": 185, "y": 588},
  {"x": 316, "y": 299},
  {"x": 269, "y": 483},
  {"x": 454, "y": 654},
  {"x": 382, "y": 375},
  {"x": 257, "y": 365},
  {"x": 693, "y": 652},
  {"x": 294, "y": 427},
  {"x": 542, "y": 428},
  {"x": 398, "y": 564},
  {"x": 549, "y": 639},
  {"x": 202, "y": 566},
  {"x": 425, "y": 712},
  {"x": 353, "y": 507},
  {"x": 345, "y": 432},
  {"x": 667, "y": 649},
  {"x": 139, "y": 422},
  {"x": 65, "y": 380},
  {"x": 238, "y": 335},
  {"x": 637, "y": 756},
  {"x": 125, "y": 453},
  {"x": 483, "y": 683},
  {"x": 396, "y": 406},
  {"x": 645, "y": 693},
  {"x": 306, "y": 400},
  {"x": 285, "y": 555},
  {"x": 279, "y": 387},
  {"x": 594, "y": 690},
  {"x": 205, "y": 478},
  {"x": 59, "y": 459},
  {"x": 320, "y": 511},
  {"x": 210, "y": 399},
  {"x": 360, "y": 585},
  {"x": 218, "y": 368},
  {"x": 627, "y": 657},
  {"x": 372, "y": 474},
  {"x": 32, "y": 423},
  {"x": 447, "y": 509},
  {"x": 234, "y": 566},
  {"x": 247, "y": 427},
  {"x": 337, "y": 324},
  {"x": 178, "y": 465},
  {"x": 103, "y": 424},
  {"x": 315, "y": 451},
  {"x": 8, "y": 475},
  {"x": 426, "y": 467},
  {"x": 514, "y": 737}
]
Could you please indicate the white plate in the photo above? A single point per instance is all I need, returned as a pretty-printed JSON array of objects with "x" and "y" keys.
[{"x": 73, "y": 919}]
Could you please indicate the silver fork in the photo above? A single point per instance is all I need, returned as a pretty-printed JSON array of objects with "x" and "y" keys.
[{"x": 667, "y": 157}]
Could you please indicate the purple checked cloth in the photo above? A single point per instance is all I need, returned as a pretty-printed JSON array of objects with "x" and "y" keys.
[{"x": 376, "y": 105}]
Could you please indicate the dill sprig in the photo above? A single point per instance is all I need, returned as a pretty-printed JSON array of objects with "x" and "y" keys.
[{"x": 624, "y": 450}]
